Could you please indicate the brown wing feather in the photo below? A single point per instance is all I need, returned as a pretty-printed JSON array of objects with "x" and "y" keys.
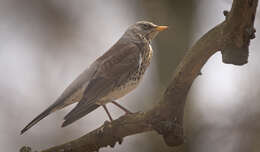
[{"x": 113, "y": 69}]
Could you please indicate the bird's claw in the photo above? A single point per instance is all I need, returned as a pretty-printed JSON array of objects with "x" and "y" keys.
[{"x": 100, "y": 131}]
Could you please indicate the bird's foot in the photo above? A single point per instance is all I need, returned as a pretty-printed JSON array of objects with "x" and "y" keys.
[{"x": 107, "y": 124}]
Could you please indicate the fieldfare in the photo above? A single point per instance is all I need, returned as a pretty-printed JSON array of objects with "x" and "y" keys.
[{"x": 111, "y": 76}]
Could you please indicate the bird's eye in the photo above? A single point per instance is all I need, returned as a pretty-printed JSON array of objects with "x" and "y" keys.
[{"x": 146, "y": 26}]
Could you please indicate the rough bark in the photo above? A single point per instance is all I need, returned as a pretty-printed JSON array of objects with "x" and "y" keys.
[{"x": 231, "y": 37}]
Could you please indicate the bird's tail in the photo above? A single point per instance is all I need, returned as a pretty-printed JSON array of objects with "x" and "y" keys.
[
  {"x": 77, "y": 113},
  {"x": 40, "y": 117}
]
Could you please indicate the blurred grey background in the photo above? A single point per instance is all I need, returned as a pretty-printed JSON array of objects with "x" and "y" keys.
[{"x": 44, "y": 45}]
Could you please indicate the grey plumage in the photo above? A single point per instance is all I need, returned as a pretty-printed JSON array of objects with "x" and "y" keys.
[{"x": 110, "y": 77}]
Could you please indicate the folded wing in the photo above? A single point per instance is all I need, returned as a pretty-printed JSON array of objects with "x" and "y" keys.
[{"x": 115, "y": 66}]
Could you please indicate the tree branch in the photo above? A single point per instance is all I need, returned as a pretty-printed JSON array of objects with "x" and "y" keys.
[{"x": 231, "y": 37}]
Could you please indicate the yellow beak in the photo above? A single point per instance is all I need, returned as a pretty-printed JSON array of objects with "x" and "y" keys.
[{"x": 161, "y": 28}]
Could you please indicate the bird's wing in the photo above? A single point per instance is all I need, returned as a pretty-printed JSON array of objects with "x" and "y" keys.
[
  {"x": 74, "y": 89},
  {"x": 113, "y": 69}
]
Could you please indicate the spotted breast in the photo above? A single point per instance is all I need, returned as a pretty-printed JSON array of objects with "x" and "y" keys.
[{"x": 133, "y": 80}]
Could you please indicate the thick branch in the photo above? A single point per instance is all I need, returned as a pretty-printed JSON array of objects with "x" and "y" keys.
[{"x": 231, "y": 37}]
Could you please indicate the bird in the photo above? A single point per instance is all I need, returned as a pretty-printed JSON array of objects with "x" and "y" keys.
[{"x": 110, "y": 77}]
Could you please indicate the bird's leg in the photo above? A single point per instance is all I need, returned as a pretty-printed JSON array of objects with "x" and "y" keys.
[
  {"x": 121, "y": 107},
  {"x": 104, "y": 106}
]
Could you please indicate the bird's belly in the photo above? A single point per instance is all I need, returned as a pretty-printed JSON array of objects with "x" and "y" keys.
[
  {"x": 120, "y": 91},
  {"x": 132, "y": 82}
]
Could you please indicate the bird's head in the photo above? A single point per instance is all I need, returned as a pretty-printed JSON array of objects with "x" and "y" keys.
[{"x": 147, "y": 29}]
